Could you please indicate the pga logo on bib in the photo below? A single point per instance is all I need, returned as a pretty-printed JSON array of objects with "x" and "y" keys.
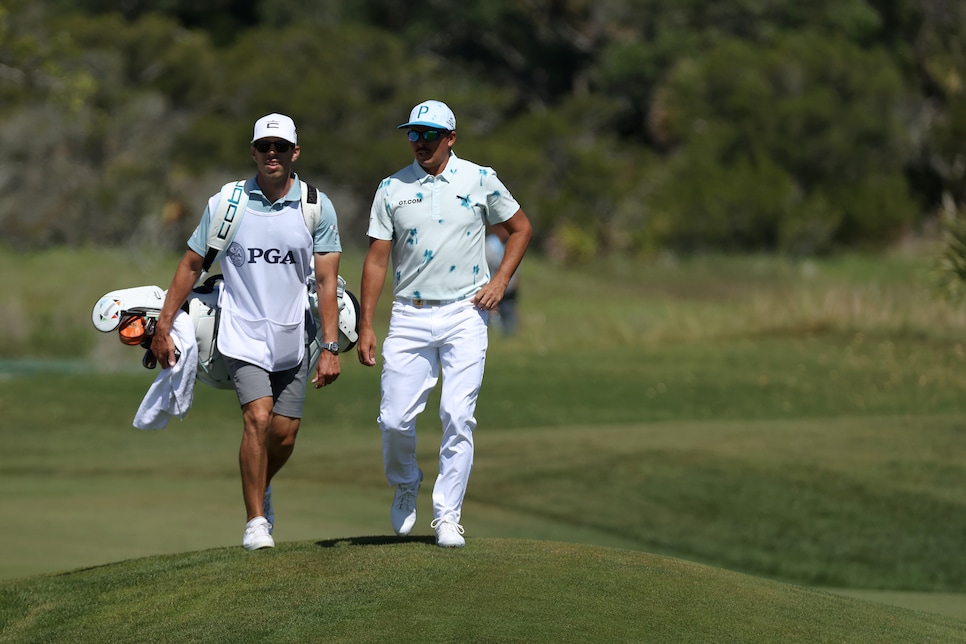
[{"x": 237, "y": 255}]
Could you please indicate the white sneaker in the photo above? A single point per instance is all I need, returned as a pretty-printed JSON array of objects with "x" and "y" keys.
[
  {"x": 267, "y": 510},
  {"x": 449, "y": 534},
  {"x": 404, "y": 507},
  {"x": 257, "y": 535}
]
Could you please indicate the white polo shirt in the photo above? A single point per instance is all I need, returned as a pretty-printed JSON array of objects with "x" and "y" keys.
[{"x": 438, "y": 227}]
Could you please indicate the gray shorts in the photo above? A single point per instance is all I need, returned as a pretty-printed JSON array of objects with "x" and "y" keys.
[{"x": 287, "y": 388}]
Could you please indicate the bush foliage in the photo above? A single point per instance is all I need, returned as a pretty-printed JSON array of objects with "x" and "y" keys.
[{"x": 637, "y": 127}]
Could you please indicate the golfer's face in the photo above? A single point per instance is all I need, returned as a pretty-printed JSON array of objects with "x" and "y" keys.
[{"x": 431, "y": 147}]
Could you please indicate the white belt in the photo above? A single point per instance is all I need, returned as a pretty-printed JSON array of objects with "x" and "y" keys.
[{"x": 421, "y": 303}]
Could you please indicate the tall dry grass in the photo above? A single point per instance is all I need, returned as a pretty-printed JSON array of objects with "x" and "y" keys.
[
  {"x": 622, "y": 303},
  {"x": 46, "y": 302}
]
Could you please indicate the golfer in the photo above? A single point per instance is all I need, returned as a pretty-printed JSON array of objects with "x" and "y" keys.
[
  {"x": 430, "y": 218},
  {"x": 264, "y": 308}
]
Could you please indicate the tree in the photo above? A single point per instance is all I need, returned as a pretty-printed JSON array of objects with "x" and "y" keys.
[{"x": 813, "y": 122}]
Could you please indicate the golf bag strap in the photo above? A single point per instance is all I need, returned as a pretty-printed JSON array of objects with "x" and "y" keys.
[
  {"x": 311, "y": 208},
  {"x": 231, "y": 209},
  {"x": 224, "y": 223}
]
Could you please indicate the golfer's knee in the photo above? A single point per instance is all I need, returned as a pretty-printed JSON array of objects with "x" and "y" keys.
[{"x": 389, "y": 422}]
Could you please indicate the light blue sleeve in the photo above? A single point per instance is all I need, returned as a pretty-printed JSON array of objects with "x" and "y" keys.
[
  {"x": 327, "y": 233},
  {"x": 198, "y": 242}
]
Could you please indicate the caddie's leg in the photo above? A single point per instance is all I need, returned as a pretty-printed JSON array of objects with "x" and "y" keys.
[
  {"x": 462, "y": 356},
  {"x": 253, "y": 453},
  {"x": 410, "y": 371},
  {"x": 288, "y": 389},
  {"x": 280, "y": 443}
]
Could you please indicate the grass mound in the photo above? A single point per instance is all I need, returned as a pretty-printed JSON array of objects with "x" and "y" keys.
[{"x": 407, "y": 590}]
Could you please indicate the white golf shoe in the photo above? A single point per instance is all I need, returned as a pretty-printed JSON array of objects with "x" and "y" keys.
[
  {"x": 449, "y": 534},
  {"x": 258, "y": 535},
  {"x": 404, "y": 507}
]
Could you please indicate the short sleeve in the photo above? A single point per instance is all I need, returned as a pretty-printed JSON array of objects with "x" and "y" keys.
[
  {"x": 500, "y": 204},
  {"x": 198, "y": 242},
  {"x": 380, "y": 219},
  {"x": 327, "y": 238}
]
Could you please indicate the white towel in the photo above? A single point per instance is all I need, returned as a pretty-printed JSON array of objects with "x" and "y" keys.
[{"x": 173, "y": 389}]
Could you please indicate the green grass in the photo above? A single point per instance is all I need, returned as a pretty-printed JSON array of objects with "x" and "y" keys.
[
  {"x": 863, "y": 501},
  {"x": 824, "y": 505},
  {"x": 797, "y": 422},
  {"x": 496, "y": 590}
]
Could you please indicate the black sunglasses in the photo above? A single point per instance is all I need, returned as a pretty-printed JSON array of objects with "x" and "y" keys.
[
  {"x": 429, "y": 135},
  {"x": 280, "y": 146}
]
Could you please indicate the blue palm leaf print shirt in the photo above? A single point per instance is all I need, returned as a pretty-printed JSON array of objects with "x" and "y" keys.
[{"x": 438, "y": 227}]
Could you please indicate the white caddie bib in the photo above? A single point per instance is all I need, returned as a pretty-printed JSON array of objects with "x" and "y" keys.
[{"x": 265, "y": 299}]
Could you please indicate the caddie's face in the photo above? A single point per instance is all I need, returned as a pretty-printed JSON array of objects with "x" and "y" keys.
[
  {"x": 431, "y": 154},
  {"x": 274, "y": 158}
]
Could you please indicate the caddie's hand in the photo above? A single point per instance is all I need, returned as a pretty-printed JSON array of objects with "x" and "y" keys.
[
  {"x": 366, "y": 347},
  {"x": 489, "y": 297},
  {"x": 327, "y": 370},
  {"x": 163, "y": 348}
]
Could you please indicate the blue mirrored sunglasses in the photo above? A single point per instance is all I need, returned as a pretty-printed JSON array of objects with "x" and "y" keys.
[{"x": 429, "y": 135}]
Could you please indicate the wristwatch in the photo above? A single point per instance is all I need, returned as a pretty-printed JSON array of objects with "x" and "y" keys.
[{"x": 331, "y": 346}]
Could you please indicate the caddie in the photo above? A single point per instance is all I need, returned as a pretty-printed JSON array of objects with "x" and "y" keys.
[{"x": 265, "y": 322}]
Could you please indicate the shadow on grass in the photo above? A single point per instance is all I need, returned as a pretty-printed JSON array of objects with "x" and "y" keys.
[{"x": 383, "y": 540}]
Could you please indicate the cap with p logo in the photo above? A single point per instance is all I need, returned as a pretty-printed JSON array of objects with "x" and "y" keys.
[{"x": 432, "y": 114}]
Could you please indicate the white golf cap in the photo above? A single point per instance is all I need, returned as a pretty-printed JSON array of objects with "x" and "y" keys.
[
  {"x": 277, "y": 126},
  {"x": 432, "y": 114}
]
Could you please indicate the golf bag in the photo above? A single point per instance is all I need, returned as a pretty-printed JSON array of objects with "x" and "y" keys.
[{"x": 133, "y": 313}]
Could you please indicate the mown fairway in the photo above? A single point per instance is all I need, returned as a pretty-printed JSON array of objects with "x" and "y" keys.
[
  {"x": 801, "y": 422},
  {"x": 408, "y": 590}
]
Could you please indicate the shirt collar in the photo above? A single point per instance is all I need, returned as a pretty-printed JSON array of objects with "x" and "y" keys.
[
  {"x": 424, "y": 177},
  {"x": 294, "y": 193}
]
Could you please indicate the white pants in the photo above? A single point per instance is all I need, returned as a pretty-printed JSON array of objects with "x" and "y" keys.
[{"x": 420, "y": 342}]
